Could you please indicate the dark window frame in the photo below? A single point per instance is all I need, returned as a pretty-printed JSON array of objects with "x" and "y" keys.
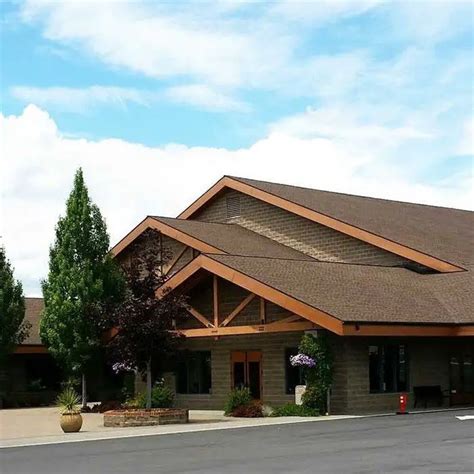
[
  {"x": 388, "y": 368},
  {"x": 184, "y": 363}
]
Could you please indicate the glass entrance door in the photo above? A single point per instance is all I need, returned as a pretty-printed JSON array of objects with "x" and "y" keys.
[
  {"x": 247, "y": 371},
  {"x": 462, "y": 377}
]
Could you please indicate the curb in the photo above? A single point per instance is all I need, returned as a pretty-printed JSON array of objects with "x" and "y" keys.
[{"x": 424, "y": 412}]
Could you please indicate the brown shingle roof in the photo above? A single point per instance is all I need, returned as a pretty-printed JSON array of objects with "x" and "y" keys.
[
  {"x": 233, "y": 239},
  {"x": 359, "y": 293},
  {"x": 33, "y": 309},
  {"x": 447, "y": 234}
]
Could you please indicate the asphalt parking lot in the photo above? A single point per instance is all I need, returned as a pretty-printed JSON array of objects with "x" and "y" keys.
[{"x": 434, "y": 442}]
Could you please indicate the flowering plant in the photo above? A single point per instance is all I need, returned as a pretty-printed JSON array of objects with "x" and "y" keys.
[
  {"x": 122, "y": 367},
  {"x": 302, "y": 360}
]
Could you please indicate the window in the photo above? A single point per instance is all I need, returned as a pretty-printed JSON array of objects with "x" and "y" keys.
[
  {"x": 232, "y": 206},
  {"x": 388, "y": 368},
  {"x": 294, "y": 375},
  {"x": 193, "y": 372}
]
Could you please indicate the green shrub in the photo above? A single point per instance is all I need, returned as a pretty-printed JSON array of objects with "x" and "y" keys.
[
  {"x": 128, "y": 387},
  {"x": 161, "y": 397},
  {"x": 133, "y": 402},
  {"x": 35, "y": 385},
  {"x": 237, "y": 397},
  {"x": 290, "y": 409},
  {"x": 318, "y": 378},
  {"x": 73, "y": 383},
  {"x": 313, "y": 398}
]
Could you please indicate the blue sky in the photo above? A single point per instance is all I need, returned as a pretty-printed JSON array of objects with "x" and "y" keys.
[{"x": 362, "y": 96}]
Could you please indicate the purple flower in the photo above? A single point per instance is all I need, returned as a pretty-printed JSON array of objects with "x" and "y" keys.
[
  {"x": 302, "y": 360},
  {"x": 122, "y": 367}
]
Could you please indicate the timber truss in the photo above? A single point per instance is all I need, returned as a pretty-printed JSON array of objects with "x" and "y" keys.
[{"x": 219, "y": 325}]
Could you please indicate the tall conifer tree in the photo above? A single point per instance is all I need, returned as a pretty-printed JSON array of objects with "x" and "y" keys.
[
  {"x": 82, "y": 283},
  {"x": 13, "y": 328},
  {"x": 12, "y": 309}
]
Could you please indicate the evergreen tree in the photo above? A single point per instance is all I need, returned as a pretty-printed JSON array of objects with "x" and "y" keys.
[
  {"x": 13, "y": 328},
  {"x": 12, "y": 310},
  {"x": 82, "y": 284}
]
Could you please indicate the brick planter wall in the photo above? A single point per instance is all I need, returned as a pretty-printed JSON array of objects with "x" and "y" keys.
[{"x": 155, "y": 416}]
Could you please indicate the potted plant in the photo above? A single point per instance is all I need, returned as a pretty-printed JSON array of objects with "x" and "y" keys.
[{"x": 71, "y": 419}]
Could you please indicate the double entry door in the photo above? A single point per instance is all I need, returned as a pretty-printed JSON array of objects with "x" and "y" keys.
[
  {"x": 462, "y": 376},
  {"x": 246, "y": 369}
]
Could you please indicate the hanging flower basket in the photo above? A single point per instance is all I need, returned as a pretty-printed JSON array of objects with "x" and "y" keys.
[{"x": 302, "y": 360}]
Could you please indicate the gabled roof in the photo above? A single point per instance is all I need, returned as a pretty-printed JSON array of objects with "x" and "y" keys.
[
  {"x": 212, "y": 238},
  {"x": 234, "y": 239},
  {"x": 340, "y": 297},
  {"x": 360, "y": 293},
  {"x": 437, "y": 237},
  {"x": 439, "y": 231}
]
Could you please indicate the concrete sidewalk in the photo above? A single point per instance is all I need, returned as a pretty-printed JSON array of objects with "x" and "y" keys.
[{"x": 37, "y": 426}]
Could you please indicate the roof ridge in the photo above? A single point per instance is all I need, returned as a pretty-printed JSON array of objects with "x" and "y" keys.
[{"x": 242, "y": 179}]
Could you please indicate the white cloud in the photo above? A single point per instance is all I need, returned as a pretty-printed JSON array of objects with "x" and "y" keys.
[
  {"x": 205, "y": 97},
  {"x": 348, "y": 127},
  {"x": 322, "y": 11},
  {"x": 79, "y": 99},
  {"x": 206, "y": 45},
  {"x": 130, "y": 180},
  {"x": 83, "y": 100},
  {"x": 223, "y": 48},
  {"x": 146, "y": 37},
  {"x": 432, "y": 20}
]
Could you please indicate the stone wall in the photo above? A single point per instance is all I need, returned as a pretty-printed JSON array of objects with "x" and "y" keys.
[
  {"x": 153, "y": 417},
  {"x": 272, "y": 347},
  {"x": 428, "y": 364},
  {"x": 297, "y": 232}
]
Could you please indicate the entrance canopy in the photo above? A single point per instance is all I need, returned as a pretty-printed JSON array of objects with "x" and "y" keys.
[{"x": 345, "y": 299}]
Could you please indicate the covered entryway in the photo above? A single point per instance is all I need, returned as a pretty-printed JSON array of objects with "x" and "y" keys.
[{"x": 247, "y": 371}]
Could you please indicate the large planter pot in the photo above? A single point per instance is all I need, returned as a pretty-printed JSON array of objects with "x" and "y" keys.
[{"x": 71, "y": 422}]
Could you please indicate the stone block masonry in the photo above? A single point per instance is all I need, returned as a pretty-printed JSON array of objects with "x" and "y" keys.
[
  {"x": 153, "y": 417},
  {"x": 308, "y": 237}
]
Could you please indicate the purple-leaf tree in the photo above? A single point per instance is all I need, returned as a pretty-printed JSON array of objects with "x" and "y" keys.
[{"x": 144, "y": 323}]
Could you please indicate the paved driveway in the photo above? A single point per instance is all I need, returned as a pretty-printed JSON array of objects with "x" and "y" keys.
[
  {"x": 37, "y": 423},
  {"x": 436, "y": 442}
]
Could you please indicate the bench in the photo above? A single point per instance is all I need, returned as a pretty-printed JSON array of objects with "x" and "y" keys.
[{"x": 426, "y": 393}]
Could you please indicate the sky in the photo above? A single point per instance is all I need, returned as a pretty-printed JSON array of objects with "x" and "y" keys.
[{"x": 157, "y": 100}]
